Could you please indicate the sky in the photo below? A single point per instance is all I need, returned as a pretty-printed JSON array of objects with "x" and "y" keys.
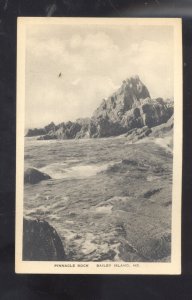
[{"x": 93, "y": 61}]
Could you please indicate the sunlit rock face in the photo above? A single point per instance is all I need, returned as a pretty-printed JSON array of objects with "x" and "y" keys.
[{"x": 124, "y": 99}]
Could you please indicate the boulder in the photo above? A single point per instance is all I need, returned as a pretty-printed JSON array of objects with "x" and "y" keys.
[
  {"x": 41, "y": 242},
  {"x": 156, "y": 248},
  {"x": 32, "y": 176}
]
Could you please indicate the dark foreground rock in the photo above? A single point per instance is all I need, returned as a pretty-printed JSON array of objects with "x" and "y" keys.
[
  {"x": 33, "y": 176},
  {"x": 41, "y": 242},
  {"x": 157, "y": 247}
]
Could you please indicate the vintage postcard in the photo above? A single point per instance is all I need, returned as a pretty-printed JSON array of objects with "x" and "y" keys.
[{"x": 99, "y": 146}]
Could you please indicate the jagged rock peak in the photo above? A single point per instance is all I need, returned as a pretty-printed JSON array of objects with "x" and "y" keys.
[
  {"x": 128, "y": 108},
  {"x": 135, "y": 87},
  {"x": 125, "y": 98}
]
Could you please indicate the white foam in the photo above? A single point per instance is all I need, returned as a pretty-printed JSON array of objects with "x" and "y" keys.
[
  {"x": 61, "y": 170},
  {"x": 152, "y": 178},
  {"x": 164, "y": 142},
  {"x": 104, "y": 209}
]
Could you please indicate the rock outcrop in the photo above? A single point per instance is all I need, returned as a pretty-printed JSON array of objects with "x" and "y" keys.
[
  {"x": 32, "y": 176},
  {"x": 41, "y": 131},
  {"x": 136, "y": 134},
  {"x": 41, "y": 242},
  {"x": 68, "y": 130},
  {"x": 130, "y": 107},
  {"x": 160, "y": 131},
  {"x": 35, "y": 132}
]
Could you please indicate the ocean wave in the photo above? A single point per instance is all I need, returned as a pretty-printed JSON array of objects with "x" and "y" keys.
[
  {"x": 163, "y": 142},
  {"x": 62, "y": 171}
]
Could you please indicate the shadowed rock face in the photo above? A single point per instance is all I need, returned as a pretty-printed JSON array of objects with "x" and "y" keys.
[
  {"x": 41, "y": 242},
  {"x": 130, "y": 107},
  {"x": 41, "y": 131},
  {"x": 33, "y": 176},
  {"x": 160, "y": 131}
]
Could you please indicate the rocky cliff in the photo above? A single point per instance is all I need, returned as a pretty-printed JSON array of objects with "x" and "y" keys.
[
  {"x": 128, "y": 108},
  {"x": 41, "y": 242}
]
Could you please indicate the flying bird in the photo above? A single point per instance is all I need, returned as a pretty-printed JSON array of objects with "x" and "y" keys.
[{"x": 59, "y": 75}]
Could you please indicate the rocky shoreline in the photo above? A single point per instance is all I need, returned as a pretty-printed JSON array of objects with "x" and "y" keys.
[
  {"x": 129, "y": 108},
  {"x": 121, "y": 213}
]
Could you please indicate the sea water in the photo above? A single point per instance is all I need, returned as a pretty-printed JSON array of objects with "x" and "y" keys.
[{"x": 96, "y": 211}]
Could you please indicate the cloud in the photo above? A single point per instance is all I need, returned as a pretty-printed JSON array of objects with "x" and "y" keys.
[
  {"x": 40, "y": 47},
  {"x": 155, "y": 62},
  {"x": 99, "y": 41},
  {"x": 76, "y": 81},
  {"x": 78, "y": 101},
  {"x": 93, "y": 65}
]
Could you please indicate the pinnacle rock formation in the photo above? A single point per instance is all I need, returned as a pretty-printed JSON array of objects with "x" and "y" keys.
[{"x": 130, "y": 107}]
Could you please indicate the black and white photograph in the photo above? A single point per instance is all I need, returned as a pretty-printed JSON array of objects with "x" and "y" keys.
[{"x": 99, "y": 146}]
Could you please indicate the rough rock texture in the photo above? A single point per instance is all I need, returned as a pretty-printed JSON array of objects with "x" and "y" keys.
[
  {"x": 124, "y": 110},
  {"x": 136, "y": 134},
  {"x": 68, "y": 130},
  {"x": 128, "y": 96},
  {"x": 160, "y": 131},
  {"x": 41, "y": 242},
  {"x": 32, "y": 176},
  {"x": 41, "y": 131},
  {"x": 35, "y": 132},
  {"x": 130, "y": 107}
]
